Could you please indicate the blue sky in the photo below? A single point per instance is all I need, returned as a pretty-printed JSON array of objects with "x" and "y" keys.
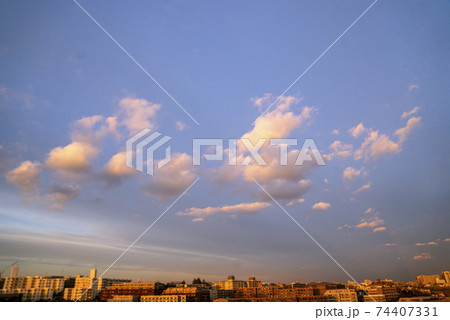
[{"x": 71, "y": 210}]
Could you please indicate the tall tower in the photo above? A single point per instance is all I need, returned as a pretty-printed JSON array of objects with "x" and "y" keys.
[
  {"x": 93, "y": 274},
  {"x": 14, "y": 272}
]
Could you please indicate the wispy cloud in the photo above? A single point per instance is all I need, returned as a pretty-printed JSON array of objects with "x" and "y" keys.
[
  {"x": 295, "y": 202},
  {"x": 406, "y": 114},
  {"x": 180, "y": 125},
  {"x": 423, "y": 256},
  {"x": 364, "y": 187},
  {"x": 242, "y": 208},
  {"x": 431, "y": 243}
]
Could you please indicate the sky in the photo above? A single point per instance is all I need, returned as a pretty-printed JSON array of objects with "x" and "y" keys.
[{"x": 376, "y": 105}]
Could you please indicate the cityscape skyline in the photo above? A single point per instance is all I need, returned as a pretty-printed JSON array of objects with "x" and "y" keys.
[
  {"x": 424, "y": 288},
  {"x": 80, "y": 78},
  {"x": 14, "y": 272}
]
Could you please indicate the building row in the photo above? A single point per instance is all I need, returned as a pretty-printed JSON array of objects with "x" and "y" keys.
[{"x": 92, "y": 288}]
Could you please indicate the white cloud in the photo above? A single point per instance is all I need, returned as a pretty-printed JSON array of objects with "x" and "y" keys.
[
  {"x": 341, "y": 150},
  {"x": 279, "y": 122},
  {"x": 138, "y": 114},
  {"x": 431, "y": 243},
  {"x": 180, "y": 125},
  {"x": 364, "y": 187},
  {"x": 376, "y": 145},
  {"x": 357, "y": 131},
  {"x": 260, "y": 102},
  {"x": 369, "y": 210},
  {"x": 350, "y": 174},
  {"x": 87, "y": 135},
  {"x": 283, "y": 189},
  {"x": 89, "y": 122},
  {"x": 25, "y": 177},
  {"x": 242, "y": 208},
  {"x": 295, "y": 202},
  {"x": 411, "y": 125},
  {"x": 406, "y": 114},
  {"x": 390, "y": 244},
  {"x": 423, "y": 256},
  {"x": 116, "y": 170},
  {"x": 370, "y": 223},
  {"x": 321, "y": 206},
  {"x": 335, "y": 132},
  {"x": 374, "y": 222},
  {"x": 412, "y": 87},
  {"x": 92, "y": 130},
  {"x": 281, "y": 181},
  {"x": 172, "y": 179},
  {"x": 74, "y": 157}
]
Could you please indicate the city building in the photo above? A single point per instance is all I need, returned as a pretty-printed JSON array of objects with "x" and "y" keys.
[
  {"x": 253, "y": 283},
  {"x": 427, "y": 279},
  {"x": 124, "y": 298},
  {"x": 89, "y": 288},
  {"x": 230, "y": 284},
  {"x": 389, "y": 293},
  {"x": 34, "y": 288},
  {"x": 164, "y": 298},
  {"x": 132, "y": 288},
  {"x": 14, "y": 272},
  {"x": 376, "y": 297},
  {"x": 193, "y": 294},
  {"x": 342, "y": 295},
  {"x": 445, "y": 275},
  {"x": 216, "y": 293}
]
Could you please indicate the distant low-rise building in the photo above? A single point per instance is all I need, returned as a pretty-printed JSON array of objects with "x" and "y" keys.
[
  {"x": 193, "y": 294},
  {"x": 124, "y": 298},
  {"x": 132, "y": 288},
  {"x": 89, "y": 288},
  {"x": 376, "y": 296},
  {"x": 164, "y": 298},
  {"x": 427, "y": 279},
  {"x": 445, "y": 275},
  {"x": 342, "y": 295},
  {"x": 230, "y": 284},
  {"x": 34, "y": 288}
]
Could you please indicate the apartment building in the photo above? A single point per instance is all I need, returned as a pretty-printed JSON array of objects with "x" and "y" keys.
[
  {"x": 89, "y": 288},
  {"x": 34, "y": 288},
  {"x": 124, "y": 298},
  {"x": 232, "y": 284},
  {"x": 132, "y": 288},
  {"x": 375, "y": 296},
  {"x": 445, "y": 275},
  {"x": 427, "y": 279},
  {"x": 342, "y": 295},
  {"x": 164, "y": 298},
  {"x": 193, "y": 294}
]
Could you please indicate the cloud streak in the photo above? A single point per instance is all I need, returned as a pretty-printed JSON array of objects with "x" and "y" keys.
[{"x": 242, "y": 208}]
